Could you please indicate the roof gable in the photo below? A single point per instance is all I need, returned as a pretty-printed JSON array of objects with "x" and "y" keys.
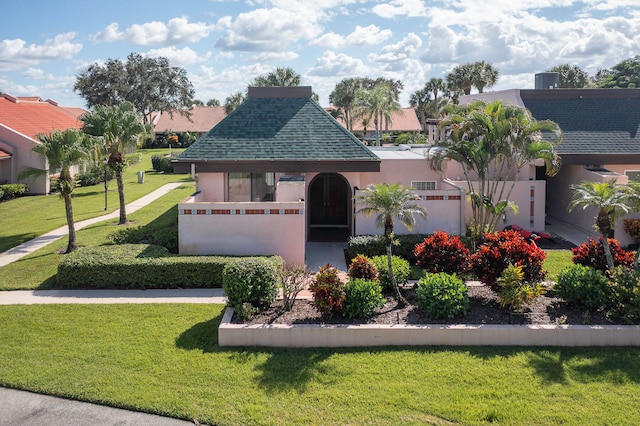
[{"x": 277, "y": 129}]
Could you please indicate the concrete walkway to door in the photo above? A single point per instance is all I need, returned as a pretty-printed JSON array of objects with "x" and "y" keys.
[{"x": 319, "y": 254}]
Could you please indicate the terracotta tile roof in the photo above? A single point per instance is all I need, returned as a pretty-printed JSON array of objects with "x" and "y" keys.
[
  {"x": 31, "y": 115},
  {"x": 4, "y": 154},
  {"x": 405, "y": 120},
  {"x": 202, "y": 119}
]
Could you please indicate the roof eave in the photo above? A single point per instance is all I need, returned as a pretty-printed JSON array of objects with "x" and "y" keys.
[{"x": 286, "y": 166}]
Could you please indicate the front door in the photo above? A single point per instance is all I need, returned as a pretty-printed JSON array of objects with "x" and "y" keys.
[{"x": 329, "y": 197}]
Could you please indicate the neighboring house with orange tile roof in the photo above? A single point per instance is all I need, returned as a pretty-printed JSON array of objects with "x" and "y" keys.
[
  {"x": 200, "y": 120},
  {"x": 404, "y": 120},
  {"x": 21, "y": 120}
]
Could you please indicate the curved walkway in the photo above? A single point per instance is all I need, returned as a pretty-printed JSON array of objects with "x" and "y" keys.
[{"x": 30, "y": 246}]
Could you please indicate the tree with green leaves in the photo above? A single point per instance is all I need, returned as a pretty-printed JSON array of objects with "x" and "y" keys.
[
  {"x": 571, "y": 76},
  {"x": 117, "y": 128},
  {"x": 611, "y": 202},
  {"x": 388, "y": 202},
  {"x": 624, "y": 75},
  {"x": 378, "y": 103},
  {"x": 437, "y": 86},
  {"x": 343, "y": 98},
  {"x": 233, "y": 101},
  {"x": 198, "y": 102},
  {"x": 213, "y": 102},
  {"x": 484, "y": 75},
  {"x": 420, "y": 100},
  {"x": 63, "y": 150},
  {"x": 480, "y": 74},
  {"x": 280, "y": 77},
  {"x": 149, "y": 84},
  {"x": 490, "y": 142}
]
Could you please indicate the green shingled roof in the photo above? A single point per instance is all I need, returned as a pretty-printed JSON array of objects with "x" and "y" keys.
[
  {"x": 275, "y": 129},
  {"x": 594, "y": 123}
]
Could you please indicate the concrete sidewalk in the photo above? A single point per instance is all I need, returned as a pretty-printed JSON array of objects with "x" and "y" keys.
[
  {"x": 30, "y": 246},
  {"x": 32, "y": 409}
]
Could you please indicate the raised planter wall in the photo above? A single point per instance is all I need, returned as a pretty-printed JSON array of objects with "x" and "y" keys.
[{"x": 310, "y": 336}]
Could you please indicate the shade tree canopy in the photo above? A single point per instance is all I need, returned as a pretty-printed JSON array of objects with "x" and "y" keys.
[
  {"x": 149, "y": 84},
  {"x": 571, "y": 76}
]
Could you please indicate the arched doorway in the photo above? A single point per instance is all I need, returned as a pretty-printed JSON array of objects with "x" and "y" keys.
[{"x": 329, "y": 204}]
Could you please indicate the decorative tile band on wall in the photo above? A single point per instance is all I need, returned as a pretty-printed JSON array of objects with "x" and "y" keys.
[
  {"x": 241, "y": 211},
  {"x": 439, "y": 197}
]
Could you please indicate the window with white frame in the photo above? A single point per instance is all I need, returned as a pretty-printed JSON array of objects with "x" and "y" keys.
[{"x": 423, "y": 185}]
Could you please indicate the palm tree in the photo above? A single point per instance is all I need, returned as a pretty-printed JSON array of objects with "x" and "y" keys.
[
  {"x": 489, "y": 141},
  {"x": 460, "y": 79},
  {"x": 436, "y": 86},
  {"x": 62, "y": 149},
  {"x": 117, "y": 128},
  {"x": 281, "y": 77},
  {"x": 233, "y": 101},
  {"x": 379, "y": 104},
  {"x": 387, "y": 202},
  {"x": 420, "y": 101},
  {"x": 610, "y": 200},
  {"x": 484, "y": 75}
]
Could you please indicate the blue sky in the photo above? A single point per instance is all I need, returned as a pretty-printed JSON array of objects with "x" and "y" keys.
[{"x": 223, "y": 45}]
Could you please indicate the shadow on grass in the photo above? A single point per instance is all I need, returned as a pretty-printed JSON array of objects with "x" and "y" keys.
[{"x": 202, "y": 336}]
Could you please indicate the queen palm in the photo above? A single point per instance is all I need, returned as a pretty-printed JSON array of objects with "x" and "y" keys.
[
  {"x": 386, "y": 202},
  {"x": 378, "y": 103},
  {"x": 63, "y": 150},
  {"x": 117, "y": 128},
  {"x": 611, "y": 202}
]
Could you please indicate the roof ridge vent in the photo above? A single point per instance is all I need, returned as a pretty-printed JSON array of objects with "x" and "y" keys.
[{"x": 280, "y": 92}]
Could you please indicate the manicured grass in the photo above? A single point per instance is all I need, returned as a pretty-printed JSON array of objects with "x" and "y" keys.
[
  {"x": 28, "y": 217},
  {"x": 556, "y": 261},
  {"x": 165, "y": 359},
  {"x": 38, "y": 270}
]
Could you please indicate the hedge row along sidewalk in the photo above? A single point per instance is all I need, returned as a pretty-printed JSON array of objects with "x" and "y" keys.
[{"x": 29, "y": 247}]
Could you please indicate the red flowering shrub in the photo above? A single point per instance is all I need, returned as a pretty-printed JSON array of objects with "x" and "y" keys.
[
  {"x": 591, "y": 253},
  {"x": 362, "y": 267},
  {"x": 441, "y": 252},
  {"x": 328, "y": 291},
  {"x": 632, "y": 226},
  {"x": 499, "y": 250}
]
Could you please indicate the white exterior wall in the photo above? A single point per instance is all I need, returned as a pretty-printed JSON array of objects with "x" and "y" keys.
[
  {"x": 251, "y": 228},
  {"x": 21, "y": 147},
  {"x": 210, "y": 187}
]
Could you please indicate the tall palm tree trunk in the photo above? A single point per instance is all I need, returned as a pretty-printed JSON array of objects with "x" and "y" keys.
[
  {"x": 72, "y": 244},
  {"x": 607, "y": 251},
  {"x": 388, "y": 235},
  {"x": 123, "y": 212}
]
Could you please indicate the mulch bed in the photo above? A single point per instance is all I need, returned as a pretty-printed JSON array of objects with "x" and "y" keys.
[{"x": 484, "y": 309}]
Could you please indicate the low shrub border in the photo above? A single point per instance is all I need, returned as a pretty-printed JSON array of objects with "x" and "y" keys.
[{"x": 139, "y": 266}]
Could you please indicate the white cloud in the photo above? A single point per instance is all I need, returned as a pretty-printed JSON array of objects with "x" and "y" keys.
[
  {"x": 332, "y": 64},
  {"x": 361, "y": 36},
  {"x": 267, "y": 30},
  {"x": 411, "y": 8},
  {"x": 176, "y": 31},
  {"x": 275, "y": 57},
  {"x": 404, "y": 49},
  {"x": 179, "y": 57},
  {"x": 15, "y": 54}
]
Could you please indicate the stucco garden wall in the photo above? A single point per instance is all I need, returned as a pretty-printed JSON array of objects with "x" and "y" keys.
[{"x": 260, "y": 228}]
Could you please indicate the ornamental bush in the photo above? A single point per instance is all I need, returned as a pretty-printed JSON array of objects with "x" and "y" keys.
[
  {"x": 328, "y": 291},
  {"x": 442, "y": 253},
  {"x": 625, "y": 294},
  {"x": 513, "y": 291},
  {"x": 401, "y": 269},
  {"x": 374, "y": 245},
  {"x": 161, "y": 163},
  {"x": 362, "y": 298},
  {"x": 250, "y": 280},
  {"x": 362, "y": 267},
  {"x": 94, "y": 176},
  {"x": 12, "y": 190},
  {"x": 162, "y": 236},
  {"x": 584, "y": 286},
  {"x": 501, "y": 249},
  {"x": 591, "y": 253},
  {"x": 442, "y": 295}
]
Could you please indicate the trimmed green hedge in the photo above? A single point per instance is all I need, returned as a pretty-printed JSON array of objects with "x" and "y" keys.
[
  {"x": 374, "y": 245},
  {"x": 139, "y": 266}
]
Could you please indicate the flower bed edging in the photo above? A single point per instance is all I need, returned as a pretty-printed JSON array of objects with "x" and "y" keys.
[{"x": 314, "y": 335}]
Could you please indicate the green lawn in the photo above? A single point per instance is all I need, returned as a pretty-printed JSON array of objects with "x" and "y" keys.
[
  {"x": 556, "y": 261},
  {"x": 28, "y": 217},
  {"x": 38, "y": 270},
  {"x": 165, "y": 359}
]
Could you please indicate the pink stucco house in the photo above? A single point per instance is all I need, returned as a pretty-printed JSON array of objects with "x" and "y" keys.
[{"x": 280, "y": 171}]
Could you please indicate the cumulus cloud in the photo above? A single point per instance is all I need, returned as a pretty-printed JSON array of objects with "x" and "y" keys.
[
  {"x": 176, "y": 31},
  {"x": 275, "y": 57},
  {"x": 405, "y": 48},
  {"x": 15, "y": 54},
  {"x": 179, "y": 57},
  {"x": 361, "y": 36},
  {"x": 411, "y": 8},
  {"x": 266, "y": 30},
  {"x": 332, "y": 64}
]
